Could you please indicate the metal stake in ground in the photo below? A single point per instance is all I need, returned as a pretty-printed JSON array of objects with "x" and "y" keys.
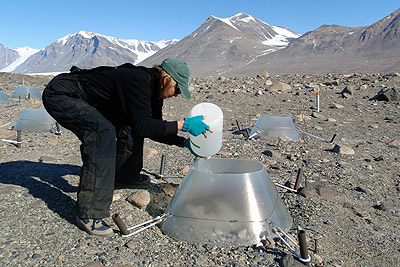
[
  {"x": 19, "y": 138},
  {"x": 162, "y": 167},
  {"x": 118, "y": 221},
  {"x": 303, "y": 246},
  {"x": 298, "y": 179},
  {"x": 58, "y": 131},
  {"x": 317, "y": 101},
  {"x": 237, "y": 123}
]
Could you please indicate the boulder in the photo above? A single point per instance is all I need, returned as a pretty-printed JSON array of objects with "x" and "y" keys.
[
  {"x": 387, "y": 95},
  {"x": 140, "y": 199},
  {"x": 263, "y": 74},
  {"x": 280, "y": 86}
]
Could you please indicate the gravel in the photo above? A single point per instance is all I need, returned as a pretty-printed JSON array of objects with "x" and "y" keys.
[{"x": 356, "y": 224}]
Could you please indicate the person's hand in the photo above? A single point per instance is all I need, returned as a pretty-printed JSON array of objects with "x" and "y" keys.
[
  {"x": 195, "y": 126},
  {"x": 187, "y": 145}
]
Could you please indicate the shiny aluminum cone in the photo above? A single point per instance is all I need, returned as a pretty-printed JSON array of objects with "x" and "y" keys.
[{"x": 226, "y": 201}]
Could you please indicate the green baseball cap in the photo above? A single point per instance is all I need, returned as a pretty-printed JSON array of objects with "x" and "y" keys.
[{"x": 180, "y": 73}]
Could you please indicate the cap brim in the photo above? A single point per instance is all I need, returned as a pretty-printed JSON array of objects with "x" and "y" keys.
[{"x": 185, "y": 91}]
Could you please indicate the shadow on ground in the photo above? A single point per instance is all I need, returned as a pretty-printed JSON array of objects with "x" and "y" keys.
[{"x": 44, "y": 181}]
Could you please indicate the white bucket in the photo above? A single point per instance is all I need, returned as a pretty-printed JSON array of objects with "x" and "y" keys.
[{"x": 209, "y": 146}]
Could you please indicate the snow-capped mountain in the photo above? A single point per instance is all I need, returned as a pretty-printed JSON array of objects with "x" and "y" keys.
[
  {"x": 23, "y": 54},
  {"x": 87, "y": 50},
  {"x": 221, "y": 44},
  {"x": 338, "y": 49},
  {"x": 253, "y": 28},
  {"x": 7, "y": 56}
]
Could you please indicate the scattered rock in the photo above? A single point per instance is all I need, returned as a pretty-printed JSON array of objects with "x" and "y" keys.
[
  {"x": 290, "y": 261},
  {"x": 53, "y": 142},
  {"x": 302, "y": 117},
  {"x": 268, "y": 83},
  {"x": 347, "y": 92},
  {"x": 394, "y": 143},
  {"x": 344, "y": 150},
  {"x": 272, "y": 154},
  {"x": 330, "y": 83},
  {"x": 116, "y": 197},
  {"x": 337, "y": 106},
  {"x": 318, "y": 115},
  {"x": 45, "y": 158},
  {"x": 263, "y": 74},
  {"x": 316, "y": 189},
  {"x": 364, "y": 189},
  {"x": 169, "y": 190},
  {"x": 185, "y": 170},
  {"x": 280, "y": 86},
  {"x": 140, "y": 199},
  {"x": 149, "y": 152},
  {"x": 93, "y": 264},
  {"x": 387, "y": 95},
  {"x": 380, "y": 206},
  {"x": 7, "y": 134},
  {"x": 43, "y": 194},
  {"x": 317, "y": 260}
]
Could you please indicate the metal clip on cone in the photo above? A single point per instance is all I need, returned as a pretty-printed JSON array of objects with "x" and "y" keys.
[{"x": 277, "y": 231}]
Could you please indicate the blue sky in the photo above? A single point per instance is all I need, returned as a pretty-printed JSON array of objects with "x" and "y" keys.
[{"x": 39, "y": 23}]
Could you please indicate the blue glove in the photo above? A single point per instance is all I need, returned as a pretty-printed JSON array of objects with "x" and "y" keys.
[
  {"x": 195, "y": 125},
  {"x": 187, "y": 145}
]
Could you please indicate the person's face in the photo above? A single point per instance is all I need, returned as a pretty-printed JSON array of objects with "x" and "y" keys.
[{"x": 169, "y": 91}]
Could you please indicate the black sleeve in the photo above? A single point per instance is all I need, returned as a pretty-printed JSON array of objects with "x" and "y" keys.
[
  {"x": 171, "y": 140},
  {"x": 136, "y": 86}
]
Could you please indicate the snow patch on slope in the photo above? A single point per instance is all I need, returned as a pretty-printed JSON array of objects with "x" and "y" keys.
[{"x": 24, "y": 53}]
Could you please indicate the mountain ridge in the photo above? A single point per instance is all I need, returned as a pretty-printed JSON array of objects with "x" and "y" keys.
[
  {"x": 88, "y": 49},
  {"x": 240, "y": 45},
  {"x": 220, "y": 45}
]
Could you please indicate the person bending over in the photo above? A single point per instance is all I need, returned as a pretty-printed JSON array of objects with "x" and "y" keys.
[{"x": 111, "y": 110}]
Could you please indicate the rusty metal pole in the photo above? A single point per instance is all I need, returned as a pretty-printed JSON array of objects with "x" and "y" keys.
[
  {"x": 333, "y": 138},
  {"x": 162, "y": 167},
  {"x": 247, "y": 133},
  {"x": 279, "y": 142},
  {"x": 58, "y": 129},
  {"x": 19, "y": 138},
  {"x": 237, "y": 123},
  {"x": 298, "y": 179},
  {"x": 118, "y": 221},
  {"x": 303, "y": 246}
]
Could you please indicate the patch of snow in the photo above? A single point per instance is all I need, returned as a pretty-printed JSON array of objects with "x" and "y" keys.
[
  {"x": 277, "y": 40},
  {"x": 245, "y": 19},
  {"x": 24, "y": 53},
  {"x": 229, "y": 22},
  {"x": 285, "y": 32},
  {"x": 47, "y": 73}
]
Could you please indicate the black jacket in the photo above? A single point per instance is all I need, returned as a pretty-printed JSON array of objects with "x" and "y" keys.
[{"x": 131, "y": 95}]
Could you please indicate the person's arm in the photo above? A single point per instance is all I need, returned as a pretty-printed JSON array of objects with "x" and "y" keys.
[{"x": 180, "y": 124}]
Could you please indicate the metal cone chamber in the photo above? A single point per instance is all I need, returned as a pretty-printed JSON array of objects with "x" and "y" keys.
[{"x": 226, "y": 202}]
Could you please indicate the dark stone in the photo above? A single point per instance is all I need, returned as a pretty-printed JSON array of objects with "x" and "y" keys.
[{"x": 387, "y": 95}]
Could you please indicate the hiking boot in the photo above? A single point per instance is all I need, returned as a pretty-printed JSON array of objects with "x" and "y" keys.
[
  {"x": 94, "y": 227},
  {"x": 142, "y": 179}
]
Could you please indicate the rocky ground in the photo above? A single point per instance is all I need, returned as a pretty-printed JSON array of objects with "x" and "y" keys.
[{"x": 351, "y": 218}]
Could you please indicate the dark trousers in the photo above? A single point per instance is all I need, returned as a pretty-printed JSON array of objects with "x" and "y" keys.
[{"x": 107, "y": 150}]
